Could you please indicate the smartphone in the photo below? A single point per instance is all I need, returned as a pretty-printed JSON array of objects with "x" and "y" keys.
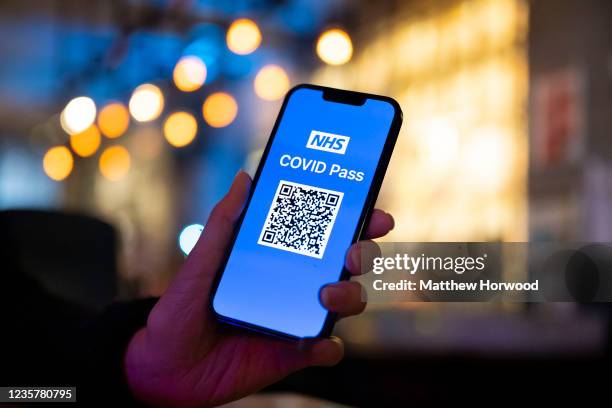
[{"x": 314, "y": 189}]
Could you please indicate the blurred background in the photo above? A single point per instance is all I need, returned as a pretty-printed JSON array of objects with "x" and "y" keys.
[{"x": 139, "y": 113}]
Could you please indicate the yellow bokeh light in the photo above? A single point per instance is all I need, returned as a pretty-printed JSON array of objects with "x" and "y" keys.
[
  {"x": 334, "y": 47},
  {"x": 180, "y": 129},
  {"x": 271, "y": 83},
  {"x": 113, "y": 120},
  {"x": 220, "y": 109},
  {"x": 115, "y": 163},
  {"x": 78, "y": 115},
  {"x": 87, "y": 142},
  {"x": 488, "y": 159},
  {"x": 146, "y": 103},
  {"x": 189, "y": 73},
  {"x": 439, "y": 144},
  {"x": 243, "y": 36},
  {"x": 58, "y": 163}
]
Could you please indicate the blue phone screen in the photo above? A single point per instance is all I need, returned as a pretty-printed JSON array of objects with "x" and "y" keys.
[{"x": 303, "y": 213}]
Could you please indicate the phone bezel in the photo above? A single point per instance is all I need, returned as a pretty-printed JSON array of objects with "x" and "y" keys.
[{"x": 340, "y": 96}]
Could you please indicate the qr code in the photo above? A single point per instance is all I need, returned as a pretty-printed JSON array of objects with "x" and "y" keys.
[{"x": 300, "y": 219}]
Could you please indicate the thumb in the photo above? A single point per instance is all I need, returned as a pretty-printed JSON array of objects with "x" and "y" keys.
[
  {"x": 189, "y": 291},
  {"x": 205, "y": 258}
]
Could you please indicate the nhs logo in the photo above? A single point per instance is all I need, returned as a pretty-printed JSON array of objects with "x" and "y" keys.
[{"x": 327, "y": 142}]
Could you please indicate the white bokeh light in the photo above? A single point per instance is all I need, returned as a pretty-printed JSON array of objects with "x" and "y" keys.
[
  {"x": 335, "y": 47},
  {"x": 189, "y": 237},
  {"x": 146, "y": 103},
  {"x": 78, "y": 115}
]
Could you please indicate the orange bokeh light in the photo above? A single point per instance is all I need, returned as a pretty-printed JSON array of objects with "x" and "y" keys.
[
  {"x": 115, "y": 163},
  {"x": 58, "y": 163},
  {"x": 87, "y": 142},
  {"x": 113, "y": 120},
  {"x": 220, "y": 109}
]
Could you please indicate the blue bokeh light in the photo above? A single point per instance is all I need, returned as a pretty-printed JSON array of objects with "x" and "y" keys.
[{"x": 189, "y": 237}]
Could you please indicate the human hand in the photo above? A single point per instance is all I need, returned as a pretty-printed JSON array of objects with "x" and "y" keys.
[{"x": 184, "y": 357}]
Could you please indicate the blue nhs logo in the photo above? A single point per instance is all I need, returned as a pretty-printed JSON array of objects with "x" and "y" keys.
[{"x": 327, "y": 142}]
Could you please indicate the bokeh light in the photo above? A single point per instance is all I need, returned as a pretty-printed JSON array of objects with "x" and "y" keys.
[
  {"x": 243, "y": 36},
  {"x": 439, "y": 144},
  {"x": 219, "y": 109},
  {"x": 488, "y": 159},
  {"x": 58, "y": 163},
  {"x": 146, "y": 103},
  {"x": 271, "y": 83},
  {"x": 334, "y": 47},
  {"x": 113, "y": 120},
  {"x": 86, "y": 142},
  {"x": 115, "y": 163},
  {"x": 78, "y": 115},
  {"x": 189, "y": 237},
  {"x": 189, "y": 73},
  {"x": 180, "y": 129}
]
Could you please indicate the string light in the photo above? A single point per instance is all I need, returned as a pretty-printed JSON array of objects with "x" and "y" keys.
[
  {"x": 219, "y": 109},
  {"x": 146, "y": 103},
  {"x": 334, "y": 47},
  {"x": 58, "y": 163},
  {"x": 271, "y": 83},
  {"x": 180, "y": 129},
  {"x": 87, "y": 142},
  {"x": 243, "y": 36},
  {"x": 78, "y": 115},
  {"x": 189, "y": 73},
  {"x": 113, "y": 120},
  {"x": 115, "y": 163}
]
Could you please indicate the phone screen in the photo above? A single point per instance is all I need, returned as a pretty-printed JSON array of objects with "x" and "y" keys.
[{"x": 303, "y": 213}]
